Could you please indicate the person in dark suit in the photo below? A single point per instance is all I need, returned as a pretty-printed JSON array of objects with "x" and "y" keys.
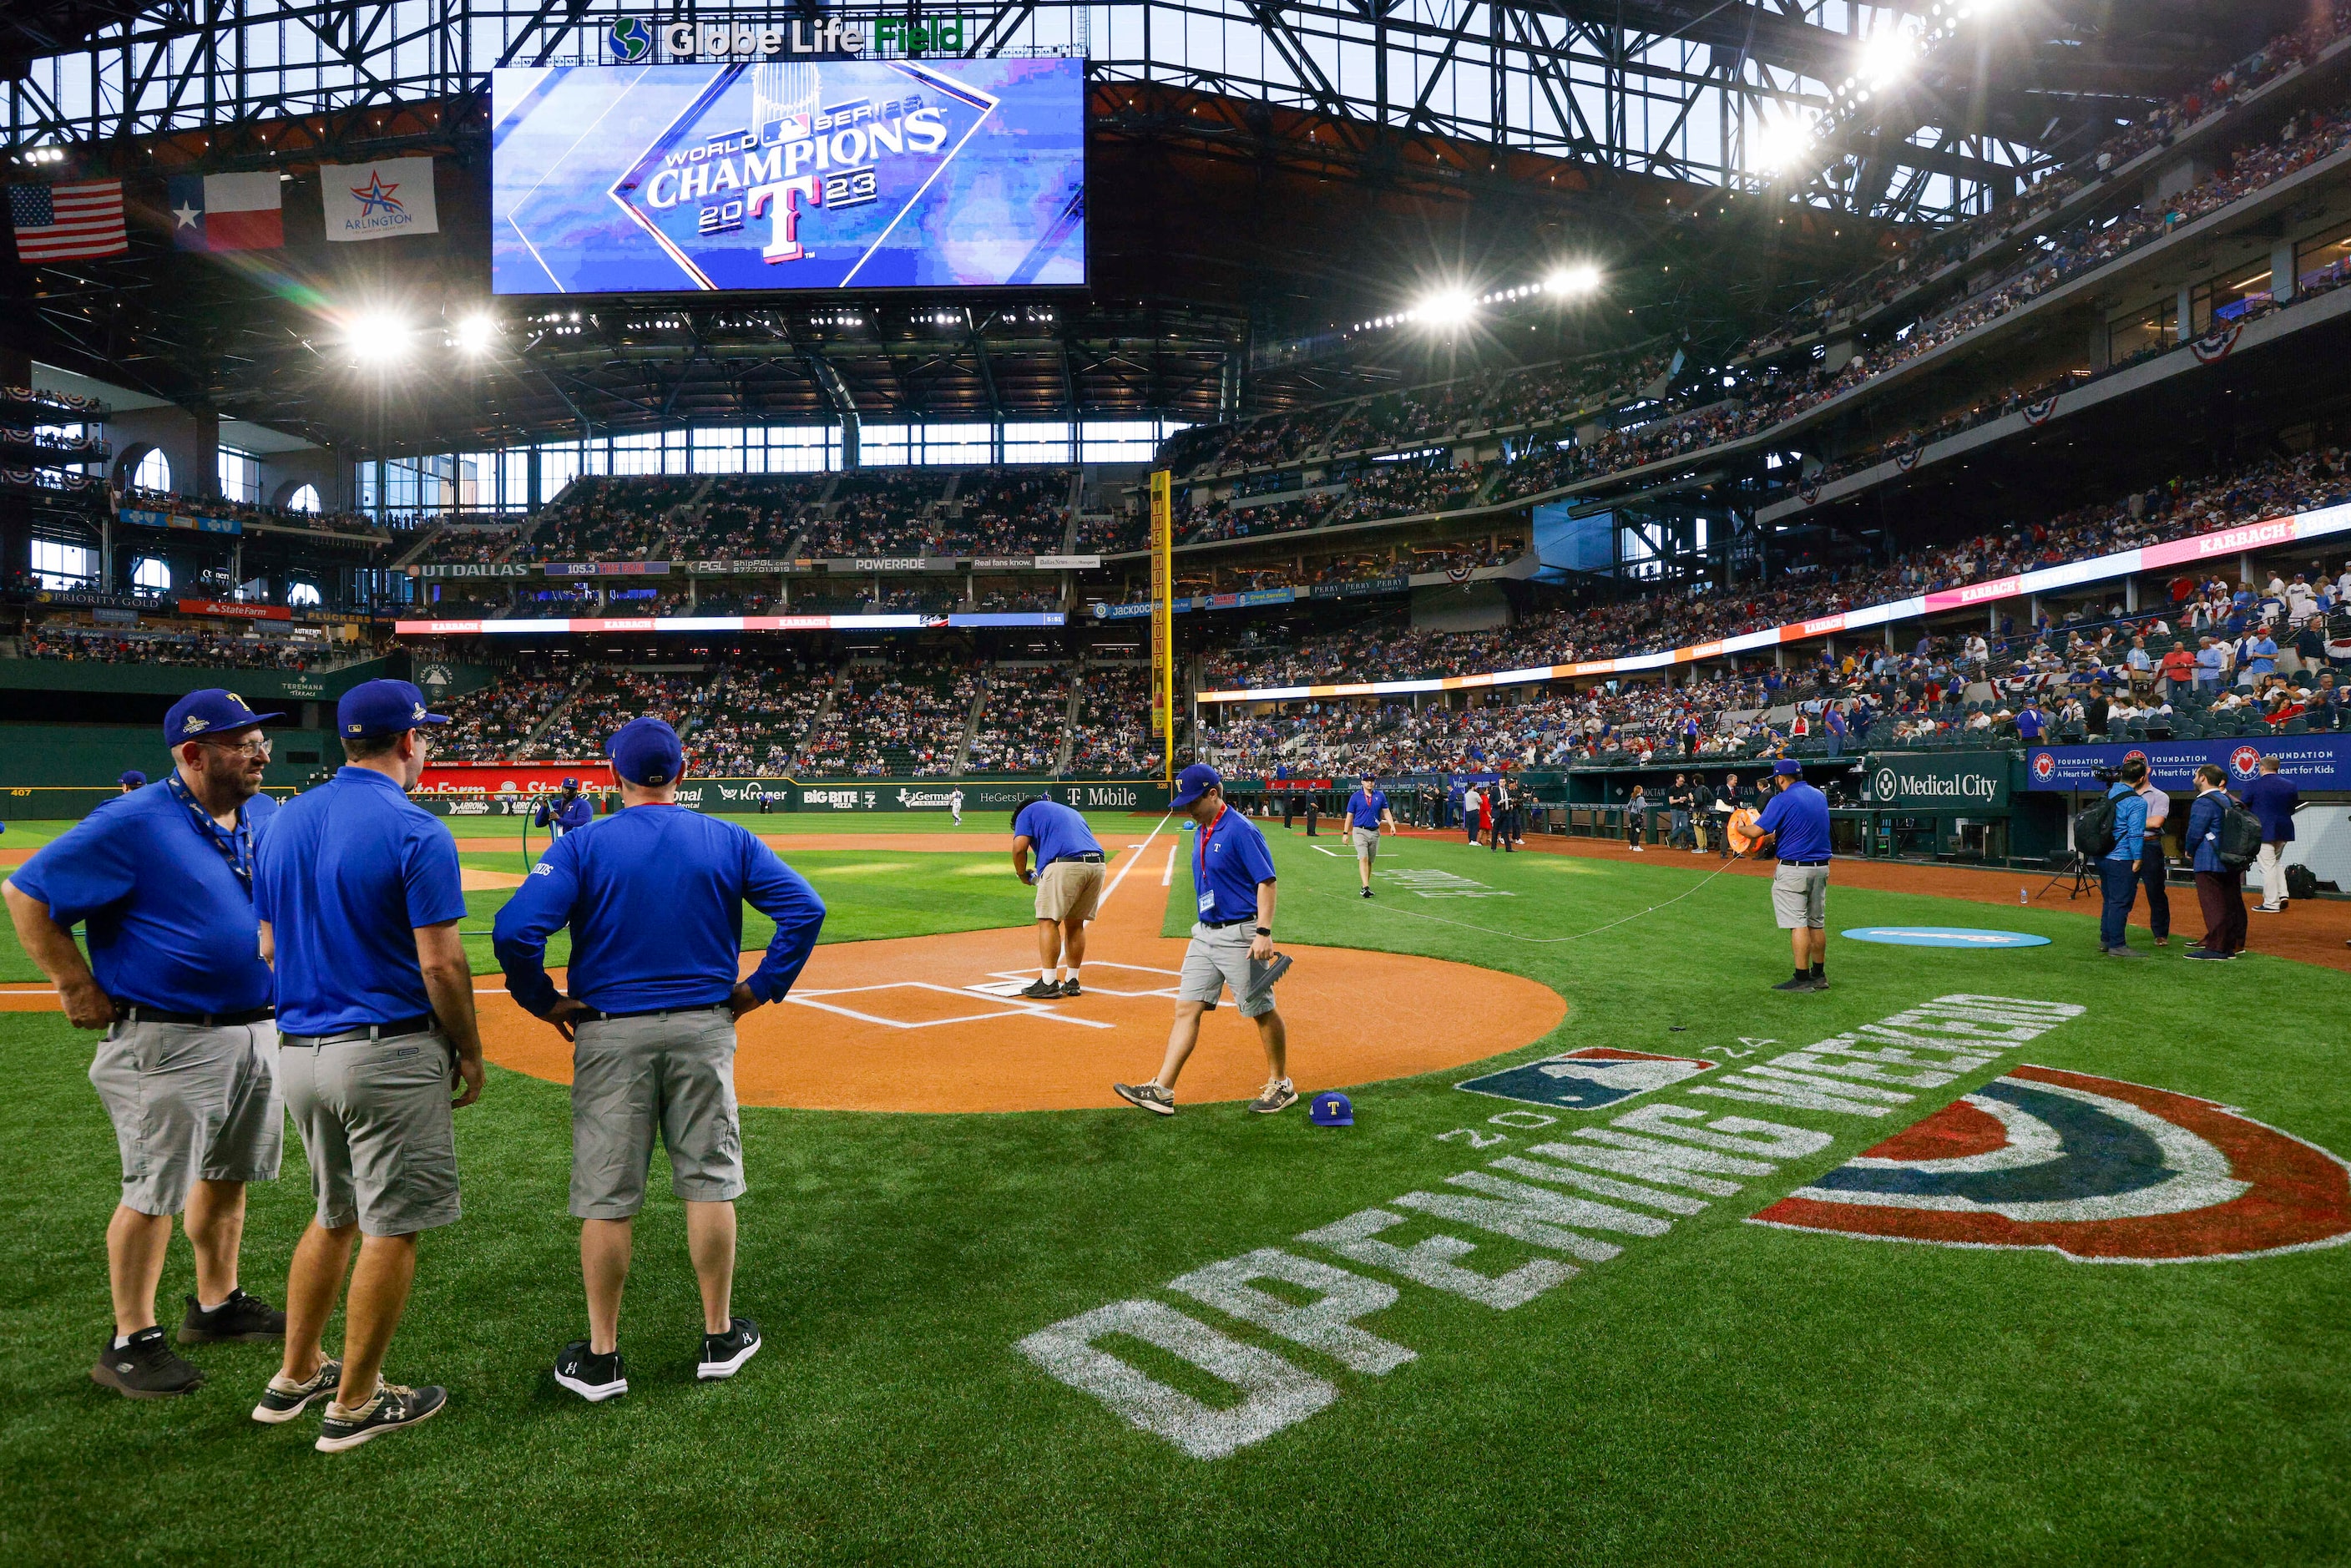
[{"x": 2270, "y": 798}]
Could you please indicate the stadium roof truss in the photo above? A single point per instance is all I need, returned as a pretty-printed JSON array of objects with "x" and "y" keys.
[{"x": 1689, "y": 90}]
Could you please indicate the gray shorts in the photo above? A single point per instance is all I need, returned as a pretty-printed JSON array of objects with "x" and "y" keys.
[
  {"x": 1367, "y": 843},
  {"x": 1218, "y": 957},
  {"x": 189, "y": 1101},
  {"x": 374, "y": 1119},
  {"x": 670, "y": 1072},
  {"x": 1800, "y": 896}
]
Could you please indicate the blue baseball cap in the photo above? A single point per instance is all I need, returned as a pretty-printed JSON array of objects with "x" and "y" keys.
[
  {"x": 1331, "y": 1109},
  {"x": 1788, "y": 767},
  {"x": 132, "y": 779},
  {"x": 375, "y": 709},
  {"x": 211, "y": 711},
  {"x": 647, "y": 751},
  {"x": 1194, "y": 782}
]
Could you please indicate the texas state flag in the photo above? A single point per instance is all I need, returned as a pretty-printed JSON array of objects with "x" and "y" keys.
[{"x": 227, "y": 211}]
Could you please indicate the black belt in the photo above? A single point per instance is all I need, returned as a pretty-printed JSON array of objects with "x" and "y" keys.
[
  {"x": 1220, "y": 924},
  {"x": 1805, "y": 862},
  {"x": 592, "y": 1015},
  {"x": 420, "y": 1024},
  {"x": 129, "y": 1012},
  {"x": 1095, "y": 858}
]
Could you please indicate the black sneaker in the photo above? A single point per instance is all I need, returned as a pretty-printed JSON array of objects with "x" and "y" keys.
[
  {"x": 283, "y": 1400},
  {"x": 146, "y": 1368},
  {"x": 723, "y": 1355},
  {"x": 1820, "y": 982},
  {"x": 1149, "y": 1096},
  {"x": 1042, "y": 989},
  {"x": 241, "y": 1317},
  {"x": 1070, "y": 988},
  {"x": 593, "y": 1377},
  {"x": 1798, "y": 983},
  {"x": 391, "y": 1408},
  {"x": 1367, "y": 893},
  {"x": 2208, "y": 952}
]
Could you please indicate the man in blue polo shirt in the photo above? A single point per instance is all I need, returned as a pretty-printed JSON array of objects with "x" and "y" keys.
[
  {"x": 1795, "y": 827},
  {"x": 1068, "y": 883},
  {"x": 2030, "y": 724},
  {"x": 360, "y": 896},
  {"x": 653, "y": 896},
  {"x": 188, "y": 1072},
  {"x": 1367, "y": 815},
  {"x": 1232, "y": 944}
]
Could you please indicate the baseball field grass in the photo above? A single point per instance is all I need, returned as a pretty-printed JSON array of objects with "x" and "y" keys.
[{"x": 1725, "y": 1392}]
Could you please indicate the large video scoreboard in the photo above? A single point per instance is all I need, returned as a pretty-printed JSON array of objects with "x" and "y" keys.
[{"x": 788, "y": 173}]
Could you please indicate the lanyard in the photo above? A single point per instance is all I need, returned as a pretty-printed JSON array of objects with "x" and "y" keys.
[
  {"x": 1200, "y": 872},
  {"x": 234, "y": 845}
]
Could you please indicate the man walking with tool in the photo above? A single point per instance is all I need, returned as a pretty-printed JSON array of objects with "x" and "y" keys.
[
  {"x": 1068, "y": 883},
  {"x": 360, "y": 896},
  {"x": 653, "y": 894},
  {"x": 1232, "y": 944},
  {"x": 188, "y": 1070},
  {"x": 1367, "y": 816}
]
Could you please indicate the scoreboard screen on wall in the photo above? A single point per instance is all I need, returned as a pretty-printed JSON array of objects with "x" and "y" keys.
[{"x": 833, "y": 173}]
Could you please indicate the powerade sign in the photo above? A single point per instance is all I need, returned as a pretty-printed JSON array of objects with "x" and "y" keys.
[
  {"x": 1976, "y": 780},
  {"x": 2306, "y": 761}
]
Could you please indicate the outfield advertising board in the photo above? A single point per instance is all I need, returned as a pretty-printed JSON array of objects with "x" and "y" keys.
[
  {"x": 2312, "y": 762},
  {"x": 500, "y": 790}
]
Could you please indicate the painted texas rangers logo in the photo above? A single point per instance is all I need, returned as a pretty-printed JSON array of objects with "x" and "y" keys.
[{"x": 2095, "y": 1168}]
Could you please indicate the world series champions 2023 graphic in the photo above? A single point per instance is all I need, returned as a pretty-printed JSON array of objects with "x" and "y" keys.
[{"x": 788, "y": 175}]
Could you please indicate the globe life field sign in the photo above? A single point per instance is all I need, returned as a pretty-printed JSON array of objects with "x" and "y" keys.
[{"x": 1952, "y": 781}]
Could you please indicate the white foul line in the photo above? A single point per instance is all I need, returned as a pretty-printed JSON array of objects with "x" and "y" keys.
[{"x": 1112, "y": 890}]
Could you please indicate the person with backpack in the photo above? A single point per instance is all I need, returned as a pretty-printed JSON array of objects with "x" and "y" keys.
[
  {"x": 2220, "y": 888},
  {"x": 2118, "y": 858}
]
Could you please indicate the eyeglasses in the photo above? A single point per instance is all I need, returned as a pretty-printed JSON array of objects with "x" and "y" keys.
[{"x": 255, "y": 746}]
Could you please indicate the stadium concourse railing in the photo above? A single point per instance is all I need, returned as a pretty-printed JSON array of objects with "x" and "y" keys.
[{"x": 2271, "y": 534}]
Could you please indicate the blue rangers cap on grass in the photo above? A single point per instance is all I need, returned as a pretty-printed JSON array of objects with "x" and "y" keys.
[
  {"x": 1194, "y": 782},
  {"x": 375, "y": 709},
  {"x": 1331, "y": 1109},
  {"x": 211, "y": 711},
  {"x": 647, "y": 751}
]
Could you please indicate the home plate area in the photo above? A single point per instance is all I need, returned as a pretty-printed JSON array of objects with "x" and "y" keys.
[{"x": 934, "y": 1023}]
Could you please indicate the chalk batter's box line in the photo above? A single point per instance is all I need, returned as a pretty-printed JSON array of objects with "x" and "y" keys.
[
  {"x": 1017, "y": 978},
  {"x": 809, "y": 1000}
]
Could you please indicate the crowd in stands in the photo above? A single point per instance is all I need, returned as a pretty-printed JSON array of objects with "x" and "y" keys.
[
  {"x": 607, "y": 518},
  {"x": 487, "y": 723},
  {"x": 1113, "y": 738},
  {"x": 894, "y": 721},
  {"x": 1022, "y": 722},
  {"x": 754, "y": 715},
  {"x": 610, "y": 698},
  {"x": 203, "y": 649}
]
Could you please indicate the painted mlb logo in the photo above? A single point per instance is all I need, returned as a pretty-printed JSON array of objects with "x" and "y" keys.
[
  {"x": 1587, "y": 1078},
  {"x": 2095, "y": 1168}
]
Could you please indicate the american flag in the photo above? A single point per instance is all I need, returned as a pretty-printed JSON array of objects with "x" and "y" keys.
[{"x": 60, "y": 222}]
